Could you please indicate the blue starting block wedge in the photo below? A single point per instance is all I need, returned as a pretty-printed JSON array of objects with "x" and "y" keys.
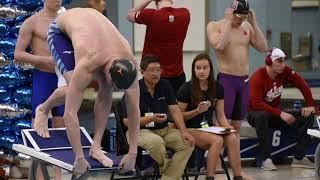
[{"x": 57, "y": 150}]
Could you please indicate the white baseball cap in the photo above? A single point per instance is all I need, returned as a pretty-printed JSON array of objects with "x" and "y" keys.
[{"x": 277, "y": 53}]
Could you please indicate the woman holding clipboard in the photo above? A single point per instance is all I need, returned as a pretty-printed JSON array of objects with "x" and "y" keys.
[{"x": 198, "y": 99}]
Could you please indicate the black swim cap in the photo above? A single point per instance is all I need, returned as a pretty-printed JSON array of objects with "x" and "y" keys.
[
  {"x": 240, "y": 6},
  {"x": 123, "y": 73}
]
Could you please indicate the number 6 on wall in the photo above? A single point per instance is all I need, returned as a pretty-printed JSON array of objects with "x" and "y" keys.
[{"x": 276, "y": 138}]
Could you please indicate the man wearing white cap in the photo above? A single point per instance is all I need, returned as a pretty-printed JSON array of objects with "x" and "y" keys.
[{"x": 266, "y": 86}]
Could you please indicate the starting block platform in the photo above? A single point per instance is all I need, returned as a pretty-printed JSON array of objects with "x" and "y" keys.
[{"x": 57, "y": 150}]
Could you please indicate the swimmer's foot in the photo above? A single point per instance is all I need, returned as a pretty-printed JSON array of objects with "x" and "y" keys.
[
  {"x": 41, "y": 122},
  {"x": 98, "y": 154}
]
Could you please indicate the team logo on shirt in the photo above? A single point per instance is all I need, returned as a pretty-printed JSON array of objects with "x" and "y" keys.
[
  {"x": 67, "y": 52},
  {"x": 120, "y": 71},
  {"x": 273, "y": 93},
  {"x": 171, "y": 18}
]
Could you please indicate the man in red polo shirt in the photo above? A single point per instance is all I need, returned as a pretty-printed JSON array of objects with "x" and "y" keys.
[
  {"x": 166, "y": 31},
  {"x": 266, "y": 86}
]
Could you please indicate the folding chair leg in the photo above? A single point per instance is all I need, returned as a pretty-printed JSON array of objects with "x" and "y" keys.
[
  {"x": 156, "y": 172},
  {"x": 112, "y": 176},
  {"x": 185, "y": 175},
  {"x": 225, "y": 167}
]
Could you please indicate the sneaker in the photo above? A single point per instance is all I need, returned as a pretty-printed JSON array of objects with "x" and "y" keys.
[
  {"x": 303, "y": 163},
  {"x": 268, "y": 165}
]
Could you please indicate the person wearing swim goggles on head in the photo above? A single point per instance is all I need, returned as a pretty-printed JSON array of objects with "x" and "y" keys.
[
  {"x": 241, "y": 9},
  {"x": 230, "y": 38}
]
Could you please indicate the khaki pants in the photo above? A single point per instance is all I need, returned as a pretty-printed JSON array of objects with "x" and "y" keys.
[{"x": 155, "y": 143}]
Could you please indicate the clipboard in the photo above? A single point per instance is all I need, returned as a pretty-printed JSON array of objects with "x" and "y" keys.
[{"x": 217, "y": 130}]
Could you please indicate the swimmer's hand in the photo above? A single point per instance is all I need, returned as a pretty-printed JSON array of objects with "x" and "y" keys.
[
  {"x": 80, "y": 166},
  {"x": 252, "y": 17},
  {"x": 127, "y": 162}
]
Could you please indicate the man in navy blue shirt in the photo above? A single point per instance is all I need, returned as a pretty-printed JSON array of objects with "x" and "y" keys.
[{"x": 157, "y": 100}]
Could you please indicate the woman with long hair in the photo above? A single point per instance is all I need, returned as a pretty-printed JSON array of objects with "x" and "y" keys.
[{"x": 198, "y": 99}]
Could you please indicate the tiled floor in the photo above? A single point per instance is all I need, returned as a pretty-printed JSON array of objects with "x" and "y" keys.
[{"x": 285, "y": 172}]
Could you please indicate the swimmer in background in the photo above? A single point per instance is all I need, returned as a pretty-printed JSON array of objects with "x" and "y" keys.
[
  {"x": 33, "y": 33},
  {"x": 230, "y": 38}
]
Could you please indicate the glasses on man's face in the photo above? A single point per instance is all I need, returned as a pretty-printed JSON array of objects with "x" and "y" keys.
[{"x": 242, "y": 16}]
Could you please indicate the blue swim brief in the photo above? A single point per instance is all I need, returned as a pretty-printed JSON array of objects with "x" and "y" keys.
[
  {"x": 43, "y": 85},
  {"x": 61, "y": 48}
]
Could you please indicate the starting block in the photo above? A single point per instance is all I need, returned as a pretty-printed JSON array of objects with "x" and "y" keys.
[{"x": 57, "y": 150}]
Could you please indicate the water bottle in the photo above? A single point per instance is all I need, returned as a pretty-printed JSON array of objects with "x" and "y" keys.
[
  {"x": 297, "y": 105},
  {"x": 113, "y": 139},
  {"x": 204, "y": 122}
]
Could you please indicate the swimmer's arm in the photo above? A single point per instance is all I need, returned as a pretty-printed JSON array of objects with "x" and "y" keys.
[
  {"x": 257, "y": 39},
  {"x": 143, "y": 120},
  {"x": 221, "y": 117},
  {"x": 187, "y": 115},
  {"x": 103, "y": 103},
  {"x": 79, "y": 81},
  {"x": 133, "y": 11},
  {"x": 218, "y": 40},
  {"x": 104, "y": 99},
  {"x": 23, "y": 41},
  {"x": 132, "y": 96}
]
